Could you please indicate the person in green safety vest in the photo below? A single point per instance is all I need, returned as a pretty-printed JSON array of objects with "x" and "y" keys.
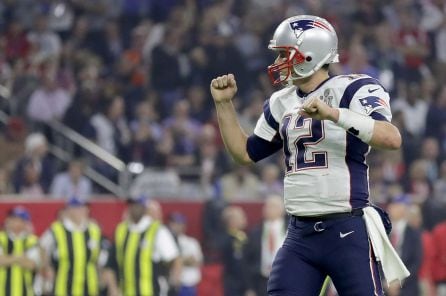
[
  {"x": 144, "y": 257},
  {"x": 19, "y": 254},
  {"x": 73, "y": 246}
]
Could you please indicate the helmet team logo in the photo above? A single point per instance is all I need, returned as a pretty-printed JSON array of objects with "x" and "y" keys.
[
  {"x": 372, "y": 103},
  {"x": 303, "y": 25}
]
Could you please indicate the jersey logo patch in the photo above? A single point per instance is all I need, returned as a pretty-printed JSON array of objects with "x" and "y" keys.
[{"x": 371, "y": 103}]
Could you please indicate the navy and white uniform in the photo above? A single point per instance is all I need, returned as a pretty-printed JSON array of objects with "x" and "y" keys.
[{"x": 326, "y": 173}]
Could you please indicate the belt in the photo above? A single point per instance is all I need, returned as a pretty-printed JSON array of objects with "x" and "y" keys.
[{"x": 353, "y": 213}]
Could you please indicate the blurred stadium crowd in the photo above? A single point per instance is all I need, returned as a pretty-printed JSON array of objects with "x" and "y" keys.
[{"x": 133, "y": 76}]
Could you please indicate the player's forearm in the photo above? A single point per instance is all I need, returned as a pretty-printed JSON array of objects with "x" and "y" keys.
[
  {"x": 233, "y": 136},
  {"x": 384, "y": 135}
]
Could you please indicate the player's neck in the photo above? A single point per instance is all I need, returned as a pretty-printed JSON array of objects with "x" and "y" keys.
[{"x": 308, "y": 84}]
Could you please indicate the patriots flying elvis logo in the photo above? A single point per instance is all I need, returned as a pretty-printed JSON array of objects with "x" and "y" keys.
[
  {"x": 303, "y": 25},
  {"x": 372, "y": 103}
]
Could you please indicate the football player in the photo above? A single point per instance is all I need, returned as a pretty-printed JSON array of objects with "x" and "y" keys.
[{"x": 325, "y": 126}]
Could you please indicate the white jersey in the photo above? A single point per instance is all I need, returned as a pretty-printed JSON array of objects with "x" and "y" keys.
[{"x": 326, "y": 171}]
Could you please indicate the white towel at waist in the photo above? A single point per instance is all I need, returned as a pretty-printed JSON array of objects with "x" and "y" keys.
[{"x": 393, "y": 267}]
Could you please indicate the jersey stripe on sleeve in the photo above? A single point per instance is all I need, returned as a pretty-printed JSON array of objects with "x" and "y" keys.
[
  {"x": 269, "y": 116},
  {"x": 350, "y": 91},
  {"x": 378, "y": 116}
]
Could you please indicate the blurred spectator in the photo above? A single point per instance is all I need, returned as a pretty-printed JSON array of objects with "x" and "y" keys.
[
  {"x": 86, "y": 99},
  {"x": 212, "y": 160},
  {"x": 212, "y": 227},
  {"x": 147, "y": 133},
  {"x": 20, "y": 254},
  {"x": 185, "y": 131},
  {"x": 439, "y": 266},
  {"x": 72, "y": 182},
  {"x": 48, "y": 44},
  {"x": 440, "y": 186},
  {"x": 31, "y": 187},
  {"x": 199, "y": 103},
  {"x": 240, "y": 183},
  {"x": 110, "y": 129},
  {"x": 415, "y": 219},
  {"x": 60, "y": 17},
  {"x": 132, "y": 65},
  {"x": 224, "y": 57},
  {"x": 435, "y": 119},
  {"x": 358, "y": 61},
  {"x": 35, "y": 162},
  {"x": 263, "y": 243},
  {"x": 5, "y": 185},
  {"x": 166, "y": 72},
  {"x": 270, "y": 181},
  {"x": 50, "y": 101},
  {"x": 413, "y": 107},
  {"x": 154, "y": 210},
  {"x": 412, "y": 44},
  {"x": 111, "y": 50},
  {"x": 191, "y": 255},
  {"x": 18, "y": 46},
  {"x": 367, "y": 14},
  {"x": 430, "y": 153},
  {"x": 411, "y": 143},
  {"x": 393, "y": 166},
  {"x": 251, "y": 112},
  {"x": 234, "y": 264},
  {"x": 94, "y": 11},
  {"x": 79, "y": 41},
  {"x": 407, "y": 242},
  {"x": 419, "y": 186}
]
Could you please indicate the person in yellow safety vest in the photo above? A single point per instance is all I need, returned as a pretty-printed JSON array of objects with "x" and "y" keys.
[
  {"x": 19, "y": 254},
  {"x": 73, "y": 248},
  {"x": 144, "y": 254}
]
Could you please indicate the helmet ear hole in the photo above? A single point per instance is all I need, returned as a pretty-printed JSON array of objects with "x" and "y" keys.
[{"x": 308, "y": 59}]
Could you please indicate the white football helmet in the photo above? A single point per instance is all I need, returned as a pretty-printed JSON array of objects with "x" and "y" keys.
[{"x": 307, "y": 42}]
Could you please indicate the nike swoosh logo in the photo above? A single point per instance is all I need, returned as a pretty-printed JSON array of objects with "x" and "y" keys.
[
  {"x": 342, "y": 235},
  {"x": 372, "y": 90}
]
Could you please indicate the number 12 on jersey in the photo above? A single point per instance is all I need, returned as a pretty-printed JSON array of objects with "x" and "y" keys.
[{"x": 300, "y": 138}]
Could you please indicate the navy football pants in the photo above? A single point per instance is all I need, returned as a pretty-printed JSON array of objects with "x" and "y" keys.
[{"x": 341, "y": 250}]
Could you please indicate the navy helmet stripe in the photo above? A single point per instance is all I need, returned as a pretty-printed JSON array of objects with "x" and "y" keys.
[
  {"x": 269, "y": 117},
  {"x": 351, "y": 90}
]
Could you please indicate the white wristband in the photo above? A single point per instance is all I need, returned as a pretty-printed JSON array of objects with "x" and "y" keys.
[{"x": 356, "y": 124}]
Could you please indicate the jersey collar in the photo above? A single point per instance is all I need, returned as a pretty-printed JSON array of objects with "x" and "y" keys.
[{"x": 303, "y": 94}]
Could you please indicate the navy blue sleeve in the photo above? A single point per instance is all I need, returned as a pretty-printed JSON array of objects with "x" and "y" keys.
[{"x": 259, "y": 148}]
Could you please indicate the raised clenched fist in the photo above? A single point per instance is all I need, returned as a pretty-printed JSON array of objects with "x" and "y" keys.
[{"x": 223, "y": 88}]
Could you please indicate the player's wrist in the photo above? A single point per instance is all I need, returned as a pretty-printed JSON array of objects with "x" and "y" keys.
[
  {"x": 223, "y": 102},
  {"x": 333, "y": 115},
  {"x": 356, "y": 124}
]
